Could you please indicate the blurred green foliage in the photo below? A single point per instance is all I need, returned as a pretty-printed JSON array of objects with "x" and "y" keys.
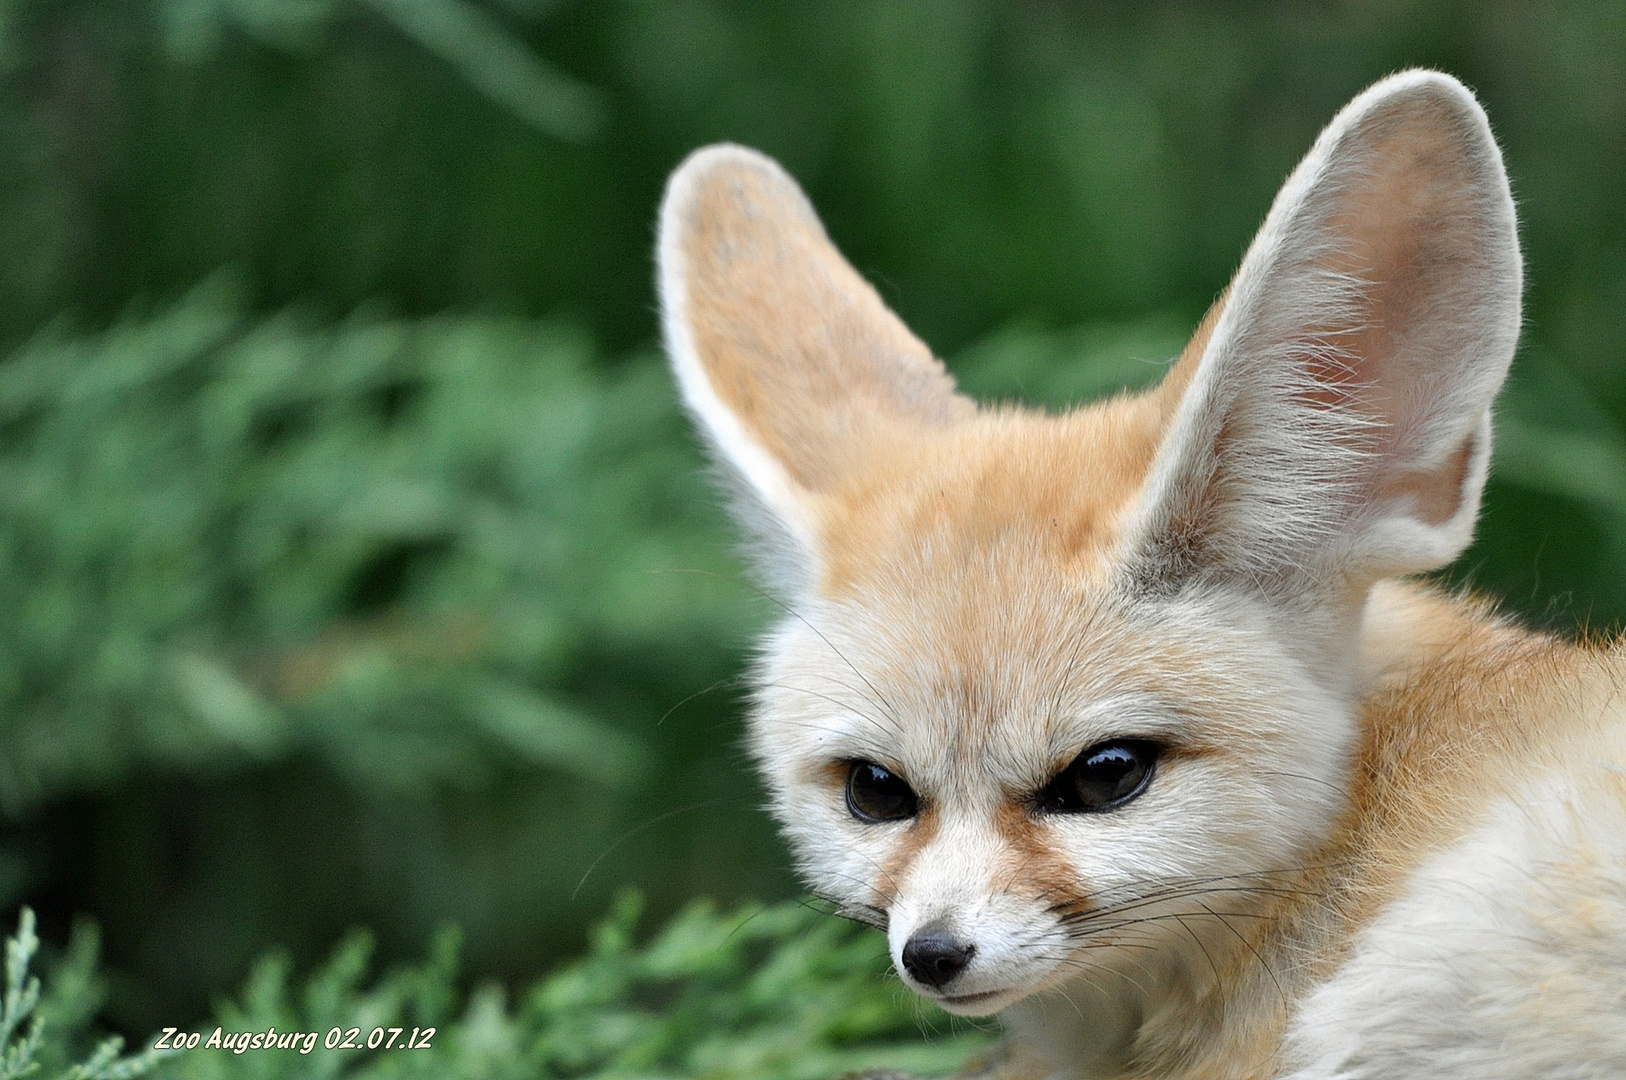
[
  {"x": 357, "y": 563},
  {"x": 369, "y": 542},
  {"x": 422, "y": 561},
  {"x": 46, "y": 1030},
  {"x": 757, "y": 993}
]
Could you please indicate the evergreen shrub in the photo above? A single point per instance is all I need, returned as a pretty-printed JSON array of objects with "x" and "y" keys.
[{"x": 756, "y": 993}]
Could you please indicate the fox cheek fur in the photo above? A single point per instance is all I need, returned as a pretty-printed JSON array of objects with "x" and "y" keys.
[{"x": 1120, "y": 717}]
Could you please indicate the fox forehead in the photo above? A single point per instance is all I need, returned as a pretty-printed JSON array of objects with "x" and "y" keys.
[
  {"x": 1045, "y": 495},
  {"x": 993, "y": 678}
]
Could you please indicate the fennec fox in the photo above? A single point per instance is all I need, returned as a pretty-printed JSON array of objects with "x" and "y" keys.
[{"x": 1126, "y": 723}]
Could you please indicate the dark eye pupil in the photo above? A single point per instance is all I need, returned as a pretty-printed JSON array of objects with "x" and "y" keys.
[
  {"x": 875, "y": 793},
  {"x": 1102, "y": 777}
]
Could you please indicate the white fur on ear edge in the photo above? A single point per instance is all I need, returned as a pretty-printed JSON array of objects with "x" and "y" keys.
[{"x": 772, "y": 512}]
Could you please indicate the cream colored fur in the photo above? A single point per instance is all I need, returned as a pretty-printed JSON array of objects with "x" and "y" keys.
[{"x": 1386, "y": 836}]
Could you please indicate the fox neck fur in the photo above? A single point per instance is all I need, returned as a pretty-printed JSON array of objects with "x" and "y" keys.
[{"x": 1460, "y": 708}]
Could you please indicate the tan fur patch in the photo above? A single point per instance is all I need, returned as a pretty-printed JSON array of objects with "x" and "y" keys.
[
  {"x": 915, "y": 837},
  {"x": 1033, "y": 866},
  {"x": 1465, "y": 707},
  {"x": 1455, "y": 729}
]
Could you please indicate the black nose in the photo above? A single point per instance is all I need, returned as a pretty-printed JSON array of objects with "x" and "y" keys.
[{"x": 934, "y": 958}]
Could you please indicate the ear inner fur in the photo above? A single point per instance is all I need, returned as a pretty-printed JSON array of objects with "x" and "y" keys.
[{"x": 1333, "y": 425}]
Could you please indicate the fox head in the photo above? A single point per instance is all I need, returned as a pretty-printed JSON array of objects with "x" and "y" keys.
[{"x": 1059, "y": 696}]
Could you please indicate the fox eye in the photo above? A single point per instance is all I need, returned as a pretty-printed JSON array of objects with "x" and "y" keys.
[
  {"x": 875, "y": 793},
  {"x": 1104, "y": 777}
]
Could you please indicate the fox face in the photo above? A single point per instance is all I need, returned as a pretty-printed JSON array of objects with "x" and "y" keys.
[
  {"x": 1063, "y": 702},
  {"x": 1001, "y": 749}
]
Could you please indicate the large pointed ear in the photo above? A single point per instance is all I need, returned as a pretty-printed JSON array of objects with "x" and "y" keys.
[
  {"x": 1335, "y": 426},
  {"x": 791, "y": 365}
]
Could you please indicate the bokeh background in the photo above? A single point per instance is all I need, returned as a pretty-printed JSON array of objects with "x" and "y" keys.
[{"x": 355, "y": 568}]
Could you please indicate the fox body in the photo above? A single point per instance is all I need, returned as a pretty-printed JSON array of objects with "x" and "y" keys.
[{"x": 1127, "y": 723}]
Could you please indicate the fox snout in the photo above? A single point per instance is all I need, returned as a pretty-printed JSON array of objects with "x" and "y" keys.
[
  {"x": 953, "y": 934},
  {"x": 956, "y": 957}
]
